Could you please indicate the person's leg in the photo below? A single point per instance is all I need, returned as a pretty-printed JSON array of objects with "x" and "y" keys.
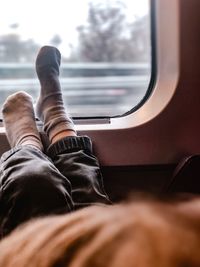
[
  {"x": 19, "y": 121},
  {"x": 30, "y": 184},
  {"x": 71, "y": 154}
]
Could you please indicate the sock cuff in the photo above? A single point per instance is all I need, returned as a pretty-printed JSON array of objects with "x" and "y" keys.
[
  {"x": 26, "y": 136},
  {"x": 70, "y": 144},
  {"x": 30, "y": 139}
]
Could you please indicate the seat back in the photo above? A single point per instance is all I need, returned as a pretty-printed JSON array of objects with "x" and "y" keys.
[{"x": 186, "y": 177}]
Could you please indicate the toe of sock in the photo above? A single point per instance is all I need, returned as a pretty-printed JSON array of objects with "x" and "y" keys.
[
  {"x": 48, "y": 56},
  {"x": 13, "y": 100}
]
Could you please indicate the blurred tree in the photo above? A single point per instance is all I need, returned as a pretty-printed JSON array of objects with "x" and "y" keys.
[
  {"x": 56, "y": 40},
  {"x": 108, "y": 37},
  {"x": 13, "y": 49},
  {"x": 141, "y": 39}
]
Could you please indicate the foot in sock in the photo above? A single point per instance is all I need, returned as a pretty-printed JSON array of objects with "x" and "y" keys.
[
  {"x": 19, "y": 121},
  {"x": 50, "y": 107}
]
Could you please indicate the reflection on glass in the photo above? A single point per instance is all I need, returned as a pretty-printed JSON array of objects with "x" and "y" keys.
[{"x": 105, "y": 46}]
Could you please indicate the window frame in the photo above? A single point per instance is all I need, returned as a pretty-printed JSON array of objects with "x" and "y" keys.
[{"x": 165, "y": 73}]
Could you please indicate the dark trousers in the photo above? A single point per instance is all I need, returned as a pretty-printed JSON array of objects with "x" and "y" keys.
[{"x": 33, "y": 184}]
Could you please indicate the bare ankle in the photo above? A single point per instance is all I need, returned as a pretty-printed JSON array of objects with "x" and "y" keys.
[{"x": 63, "y": 134}]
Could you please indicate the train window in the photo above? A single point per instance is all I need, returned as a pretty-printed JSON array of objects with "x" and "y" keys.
[
  {"x": 164, "y": 77},
  {"x": 105, "y": 46}
]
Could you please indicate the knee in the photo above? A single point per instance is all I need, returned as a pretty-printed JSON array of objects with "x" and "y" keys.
[
  {"x": 40, "y": 187},
  {"x": 41, "y": 178},
  {"x": 35, "y": 184},
  {"x": 34, "y": 178}
]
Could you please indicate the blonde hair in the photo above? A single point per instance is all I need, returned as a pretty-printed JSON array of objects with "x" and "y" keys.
[{"x": 138, "y": 234}]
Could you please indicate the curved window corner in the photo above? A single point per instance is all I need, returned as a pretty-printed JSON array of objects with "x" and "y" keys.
[{"x": 166, "y": 27}]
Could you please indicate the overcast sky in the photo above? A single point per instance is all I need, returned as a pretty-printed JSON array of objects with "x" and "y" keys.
[{"x": 42, "y": 19}]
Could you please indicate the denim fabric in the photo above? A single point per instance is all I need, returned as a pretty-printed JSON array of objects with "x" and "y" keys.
[{"x": 33, "y": 184}]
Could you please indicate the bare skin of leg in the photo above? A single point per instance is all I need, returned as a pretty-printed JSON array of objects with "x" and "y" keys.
[{"x": 62, "y": 135}]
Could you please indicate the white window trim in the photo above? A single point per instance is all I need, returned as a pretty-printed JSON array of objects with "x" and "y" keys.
[{"x": 167, "y": 54}]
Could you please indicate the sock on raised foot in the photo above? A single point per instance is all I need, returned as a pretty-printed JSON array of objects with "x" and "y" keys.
[
  {"x": 19, "y": 121},
  {"x": 50, "y": 107}
]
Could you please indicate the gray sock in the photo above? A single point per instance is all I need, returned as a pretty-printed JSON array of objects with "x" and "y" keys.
[
  {"x": 19, "y": 121},
  {"x": 50, "y": 107}
]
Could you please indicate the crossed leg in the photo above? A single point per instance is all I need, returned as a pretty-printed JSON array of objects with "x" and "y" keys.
[{"x": 33, "y": 184}]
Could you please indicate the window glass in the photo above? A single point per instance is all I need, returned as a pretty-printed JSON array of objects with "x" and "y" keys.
[{"x": 105, "y": 46}]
